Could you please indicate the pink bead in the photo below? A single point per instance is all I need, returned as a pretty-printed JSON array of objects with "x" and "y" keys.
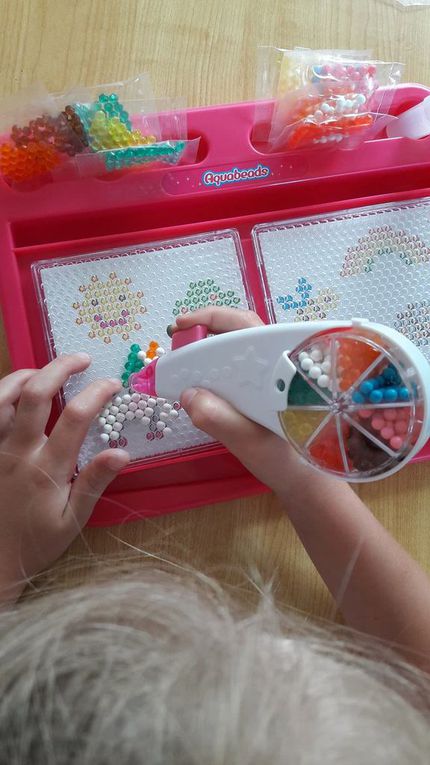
[
  {"x": 377, "y": 423},
  {"x": 396, "y": 442},
  {"x": 390, "y": 415},
  {"x": 365, "y": 413},
  {"x": 401, "y": 426},
  {"x": 387, "y": 433}
]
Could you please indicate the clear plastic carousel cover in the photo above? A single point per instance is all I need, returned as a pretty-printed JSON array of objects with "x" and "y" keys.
[{"x": 354, "y": 406}]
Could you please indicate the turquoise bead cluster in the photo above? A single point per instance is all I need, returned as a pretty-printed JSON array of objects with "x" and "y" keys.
[
  {"x": 113, "y": 108},
  {"x": 137, "y": 155},
  {"x": 385, "y": 388}
]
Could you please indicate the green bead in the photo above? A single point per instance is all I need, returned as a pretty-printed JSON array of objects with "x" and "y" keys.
[
  {"x": 135, "y": 348},
  {"x": 301, "y": 394}
]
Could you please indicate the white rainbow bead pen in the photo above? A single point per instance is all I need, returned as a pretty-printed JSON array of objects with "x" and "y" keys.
[{"x": 350, "y": 396}]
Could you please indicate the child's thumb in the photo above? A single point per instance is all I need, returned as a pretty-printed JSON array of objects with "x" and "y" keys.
[{"x": 220, "y": 420}]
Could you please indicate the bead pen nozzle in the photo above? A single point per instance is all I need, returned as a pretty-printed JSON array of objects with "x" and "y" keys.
[{"x": 144, "y": 381}]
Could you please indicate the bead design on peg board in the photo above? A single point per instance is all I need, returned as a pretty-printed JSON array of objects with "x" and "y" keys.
[
  {"x": 375, "y": 259},
  {"x": 384, "y": 241},
  {"x": 309, "y": 308},
  {"x": 109, "y": 308},
  {"x": 414, "y": 322},
  {"x": 163, "y": 270},
  {"x": 154, "y": 415},
  {"x": 203, "y": 293}
]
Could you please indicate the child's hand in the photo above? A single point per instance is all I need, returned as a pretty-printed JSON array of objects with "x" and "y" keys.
[
  {"x": 263, "y": 453},
  {"x": 41, "y": 510}
]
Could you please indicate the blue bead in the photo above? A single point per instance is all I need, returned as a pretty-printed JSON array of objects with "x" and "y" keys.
[
  {"x": 378, "y": 381},
  {"x": 366, "y": 387},
  {"x": 389, "y": 376},
  {"x": 376, "y": 396},
  {"x": 358, "y": 398},
  {"x": 403, "y": 393},
  {"x": 389, "y": 394}
]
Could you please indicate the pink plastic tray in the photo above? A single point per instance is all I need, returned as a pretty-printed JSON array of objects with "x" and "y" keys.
[{"x": 232, "y": 185}]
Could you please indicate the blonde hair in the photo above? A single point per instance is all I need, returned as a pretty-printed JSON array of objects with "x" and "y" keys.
[{"x": 160, "y": 669}]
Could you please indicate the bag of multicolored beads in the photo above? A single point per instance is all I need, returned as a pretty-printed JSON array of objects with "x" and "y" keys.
[{"x": 328, "y": 99}]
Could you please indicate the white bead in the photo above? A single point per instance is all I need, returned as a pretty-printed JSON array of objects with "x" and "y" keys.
[
  {"x": 348, "y": 104},
  {"x": 164, "y": 416},
  {"x": 148, "y": 411},
  {"x": 142, "y": 404},
  {"x": 139, "y": 414},
  {"x": 141, "y": 355},
  {"x": 104, "y": 437},
  {"x": 315, "y": 372},
  {"x": 126, "y": 398},
  {"x": 306, "y": 364},
  {"x": 147, "y": 361},
  {"x": 114, "y": 410},
  {"x": 120, "y": 417},
  {"x": 132, "y": 406},
  {"x": 360, "y": 99},
  {"x": 114, "y": 436},
  {"x": 323, "y": 381},
  {"x": 167, "y": 431},
  {"x": 107, "y": 428},
  {"x": 152, "y": 402},
  {"x": 110, "y": 419},
  {"x": 105, "y": 412},
  {"x": 130, "y": 416},
  {"x": 117, "y": 427},
  {"x": 174, "y": 414},
  {"x": 102, "y": 420},
  {"x": 326, "y": 367},
  {"x": 117, "y": 401},
  {"x": 318, "y": 114},
  {"x": 303, "y": 355},
  {"x": 160, "y": 425},
  {"x": 325, "y": 107},
  {"x": 145, "y": 420},
  {"x": 316, "y": 354},
  {"x": 160, "y": 352},
  {"x": 123, "y": 408},
  {"x": 167, "y": 407},
  {"x": 135, "y": 397}
]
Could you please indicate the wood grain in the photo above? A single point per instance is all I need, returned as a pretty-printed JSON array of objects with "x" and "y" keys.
[{"x": 205, "y": 51}]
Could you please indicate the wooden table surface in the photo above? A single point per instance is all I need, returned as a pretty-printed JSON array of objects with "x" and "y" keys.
[{"x": 205, "y": 50}]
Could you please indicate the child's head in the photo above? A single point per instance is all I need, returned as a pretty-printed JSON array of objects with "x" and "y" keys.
[{"x": 159, "y": 670}]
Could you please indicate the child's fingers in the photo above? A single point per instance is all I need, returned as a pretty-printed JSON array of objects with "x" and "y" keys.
[
  {"x": 11, "y": 386},
  {"x": 90, "y": 485},
  {"x": 244, "y": 438},
  {"x": 35, "y": 401},
  {"x": 264, "y": 454},
  {"x": 10, "y": 391},
  {"x": 60, "y": 453},
  {"x": 219, "y": 320}
]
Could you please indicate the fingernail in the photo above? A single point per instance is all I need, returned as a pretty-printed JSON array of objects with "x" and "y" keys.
[
  {"x": 82, "y": 356},
  {"x": 117, "y": 460},
  {"x": 188, "y": 396},
  {"x": 114, "y": 381}
]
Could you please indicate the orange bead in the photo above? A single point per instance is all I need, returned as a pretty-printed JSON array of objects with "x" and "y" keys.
[{"x": 24, "y": 163}]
